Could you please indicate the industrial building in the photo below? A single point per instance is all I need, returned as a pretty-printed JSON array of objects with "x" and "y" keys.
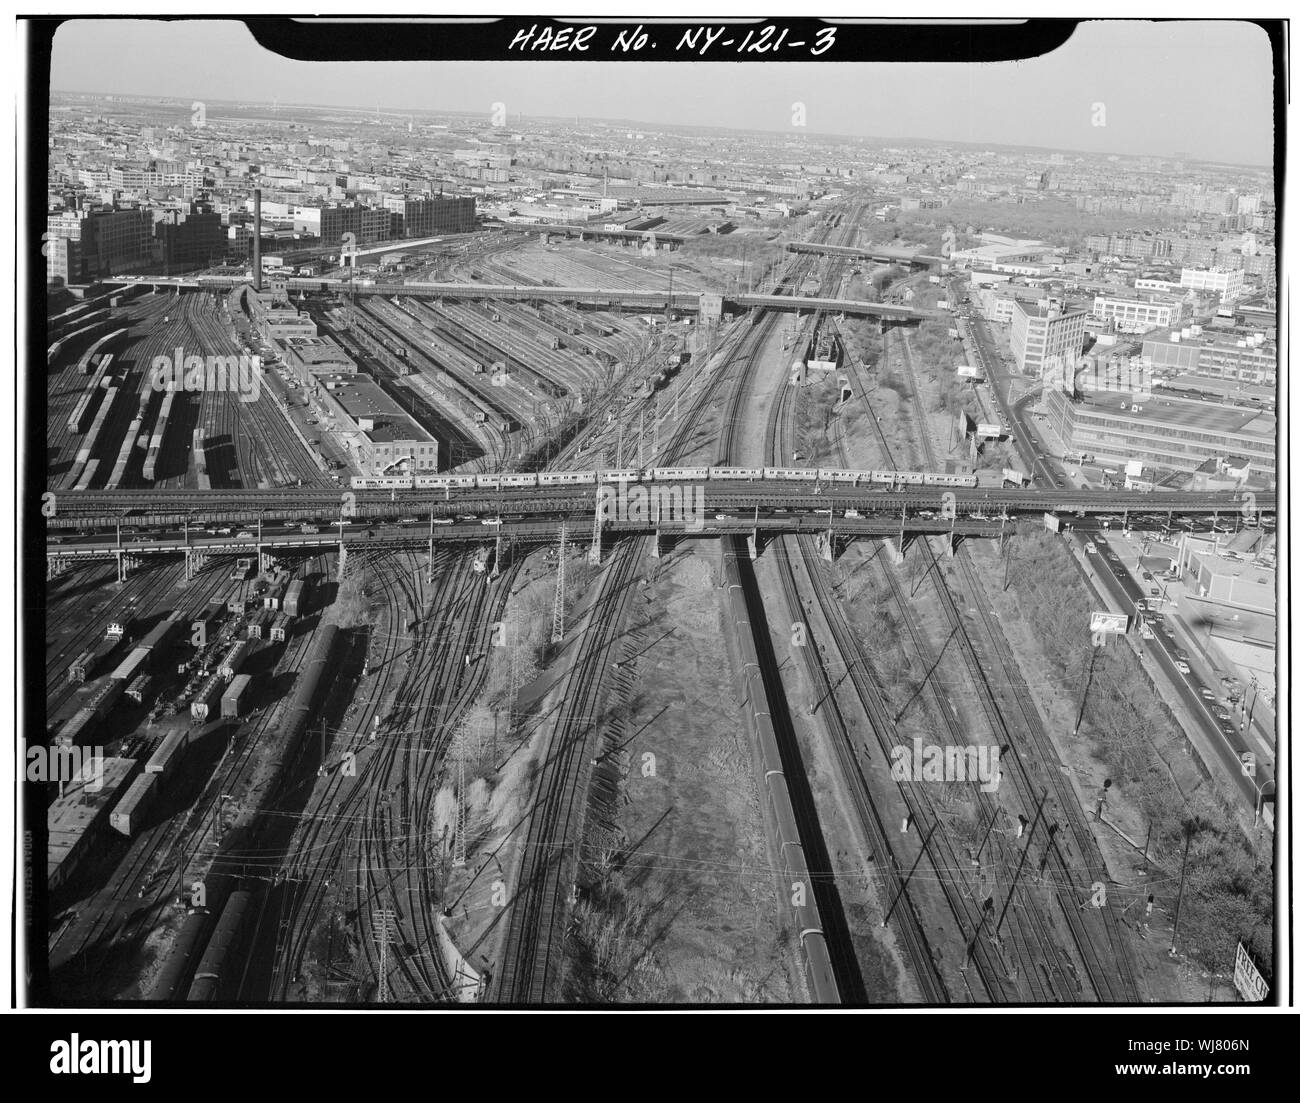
[
  {"x": 1040, "y": 333},
  {"x": 309, "y": 357},
  {"x": 384, "y": 439},
  {"x": 1138, "y": 311},
  {"x": 1247, "y": 356},
  {"x": 1170, "y": 433}
]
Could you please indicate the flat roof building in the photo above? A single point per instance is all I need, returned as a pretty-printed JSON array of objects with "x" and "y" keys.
[
  {"x": 1040, "y": 334},
  {"x": 1171, "y": 433},
  {"x": 386, "y": 440}
]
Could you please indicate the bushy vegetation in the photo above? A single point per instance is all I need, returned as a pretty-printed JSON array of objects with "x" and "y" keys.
[
  {"x": 1229, "y": 888},
  {"x": 1055, "y": 221}
]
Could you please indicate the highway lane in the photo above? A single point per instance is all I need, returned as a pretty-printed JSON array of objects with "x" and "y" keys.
[{"x": 1227, "y": 741}]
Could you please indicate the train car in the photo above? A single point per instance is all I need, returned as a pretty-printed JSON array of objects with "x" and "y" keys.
[
  {"x": 444, "y": 482},
  {"x": 679, "y": 474},
  {"x": 566, "y": 478},
  {"x": 132, "y": 666},
  {"x": 295, "y": 598},
  {"x": 233, "y": 659},
  {"x": 88, "y": 474},
  {"x": 802, "y": 474},
  {"x": 854, "y": 478},
  {"x": 83, "y": 667},
  {"x": 168, "y": 752},
  {"x": 206, "y": 702},
  {"x": 138, "y": 689},
  {"x": 161, "y": 633},
  {"x": 621, "y": 475},
  {"x": 739, "y": 474},
  {"x": 258, "y": 623},
  {"x": 105, "y": 697},
  {"x": 487, "y": 482},
  {"x": 234, "y": 702},
  {"x": 129, "y": 814},
  {"x": 910, "y": 478},
  {"x": 280, "y": 628},
  {"x": 936, "y": 479},
  {"x": 217, "y": 976},
  {"x": 78, "y": 725},
  {"x": 382, "y": 482},
  {"x": 516, "y": 480},
  {"x": 172, "y": 979}
]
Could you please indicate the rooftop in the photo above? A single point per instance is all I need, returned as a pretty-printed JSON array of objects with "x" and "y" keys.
[
  {"x": 1185, "y": 413},
  {"x": 362, "y": 397}
]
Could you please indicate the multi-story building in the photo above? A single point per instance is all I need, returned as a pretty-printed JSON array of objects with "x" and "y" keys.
[
  {"x": 1227, "y": 283},
  {"x": 1042, "y": 333},
  {"x": 422, "y": 216},
  {"x": 1170, "y": 433},
  {"x": 367, "y": 223},
  {"x": 190, "y": 239},
  {"x": 1137, "y": 312},
  {"x": 101, "y": 242},
  {"x": 1248, "y": 357},
  {"x": 381, "y": 437}
]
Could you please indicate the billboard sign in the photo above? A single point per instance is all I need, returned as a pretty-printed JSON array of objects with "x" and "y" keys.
[
  {"x": 1247, "y": 978},
  {"x": 1108, "y": 622}
]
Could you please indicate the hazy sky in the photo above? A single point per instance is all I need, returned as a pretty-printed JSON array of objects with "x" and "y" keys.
[{"x": 1203, "y": 88}]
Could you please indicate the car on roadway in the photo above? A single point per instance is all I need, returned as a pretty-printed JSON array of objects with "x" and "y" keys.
[
  {"x": 309, "y": 530},
  {"x": 1182, "y": 667},
  {"x": 1090, "y": 548},
  {"x": 408, "y": 520},
  {"x": 443, "y": 520},
  {"x": 721, "y": 517},
  {"x": 852, "y": 514},
  {"x": 490, "y": 521},
  {"x": 244, "y": 534},
  {"x": 468, "y": 517},
  {"x": 225, "y": 530},
  {"x": 1223, "y": 714},
  {"x": 1146, "y": 576},
  {"x": 1207, "y": 693}
]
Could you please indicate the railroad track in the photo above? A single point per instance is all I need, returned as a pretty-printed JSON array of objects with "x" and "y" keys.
[{"x": 1113, "y": 978}]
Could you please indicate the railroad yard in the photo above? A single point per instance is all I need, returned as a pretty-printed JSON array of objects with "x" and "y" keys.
[{"x": 564, "y": 767}]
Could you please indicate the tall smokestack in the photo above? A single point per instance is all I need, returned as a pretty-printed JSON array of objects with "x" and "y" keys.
[{"x": 257, "y": 239}]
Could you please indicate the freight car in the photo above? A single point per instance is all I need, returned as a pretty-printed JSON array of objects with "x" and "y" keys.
[
  {"x": 295, "y": 598},
  {"x": 234, "y": 702},
  {"x": 217, "y": 976},
  {"x": 129, "y": 814},
  {"x": 168, "y": 752},
  {"x": 207, "y": 701},
  {"x": 174, "y": 977}
]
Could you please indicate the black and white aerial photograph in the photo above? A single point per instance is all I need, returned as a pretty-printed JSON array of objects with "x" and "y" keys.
[{"x": 622, "y": 513}]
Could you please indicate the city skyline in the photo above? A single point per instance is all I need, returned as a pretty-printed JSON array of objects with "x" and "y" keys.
[{"x": 958, "y": 102}]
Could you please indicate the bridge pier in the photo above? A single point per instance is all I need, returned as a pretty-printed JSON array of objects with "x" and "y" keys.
[
  {"x": 950, "y": 544},
  {"x": 125, "y": 564},
  {"x": 343, "y": 561},
  {"x": 54, "y": 566},
  {"x": 829, "y": 546},
  {"x": 754, "y": 541},
  {"x": 593, "y": 553},
  {"x": 896, "y": 546},
  {"x": 194, "y": 562}
]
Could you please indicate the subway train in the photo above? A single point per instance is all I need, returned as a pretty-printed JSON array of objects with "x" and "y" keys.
[{"x": 508, "y": 481}]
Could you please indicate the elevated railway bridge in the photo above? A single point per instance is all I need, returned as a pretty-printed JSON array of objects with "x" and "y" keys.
[{"x": 688, "y": 302}]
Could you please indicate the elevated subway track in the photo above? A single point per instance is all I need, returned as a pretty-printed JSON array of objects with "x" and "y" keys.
[{"x": 77, "y": 508}]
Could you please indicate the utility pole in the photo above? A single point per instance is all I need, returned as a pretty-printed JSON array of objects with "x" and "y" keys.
[
  {"x": 1087, "y": 684},
  {"x": 385, "y": 921},
  {"x": 557, "y": 613},
  {"x": 458, "y": 843},
  {"x": 1189, "y": 829}
]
